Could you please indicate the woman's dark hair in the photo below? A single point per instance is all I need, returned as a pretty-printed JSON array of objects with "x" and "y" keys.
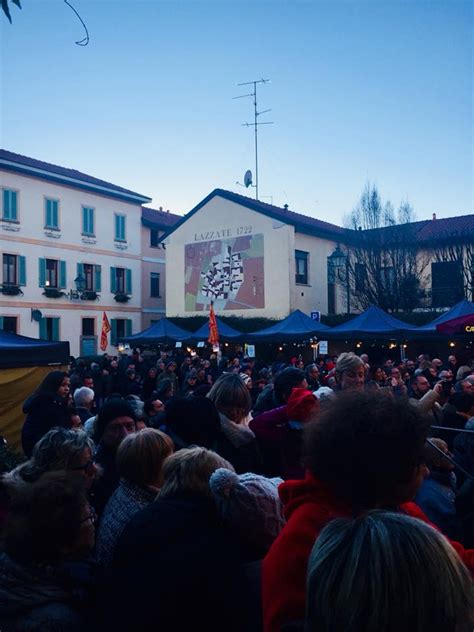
[
  {"x": 44, "y": 517},
  {"x": 373, "y": 371},
  {"x": 286, "y": 381},
  {"x": 366, "y": 446},
  {"x": 193, "y": 421},
  {"x": 164, "y": 386},
  {"x": 52, "y": 382}
]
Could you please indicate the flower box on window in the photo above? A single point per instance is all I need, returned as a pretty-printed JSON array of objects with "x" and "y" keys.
[
  {"x": 121, "y": 297},
  {"x": 10, "y": 289},
  {"x": 89, "y": 295},
  {"x": 52, "y": 292}
]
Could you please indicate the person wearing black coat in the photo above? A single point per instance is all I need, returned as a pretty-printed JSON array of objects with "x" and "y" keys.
[
  {"x": 175, "y": 566},
  {"x": 48, "y": 407}
]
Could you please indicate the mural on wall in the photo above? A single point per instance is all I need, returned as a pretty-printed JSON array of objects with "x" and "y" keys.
[{"x": 226, "y": 271}]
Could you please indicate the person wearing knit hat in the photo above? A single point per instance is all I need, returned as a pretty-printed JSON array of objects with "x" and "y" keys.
[
  {"x": 250, "y": 506},
  {"x": 302, "y": 406},
  {"x": 116, "y": 420}
]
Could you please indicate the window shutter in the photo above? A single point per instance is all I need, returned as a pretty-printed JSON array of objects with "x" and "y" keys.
[
  {"x": 55, "y": 214},
  {"x": 6, "y": 204},
  {"x": 128, "y": 281},
  {"x": 1, "y": 322},
  {"x": 21, "y": 270},
  {"x": 9, "y": 204},
  {"x": 42, "y": 272},
  {"x": 113, "y": 332},
  {"x": 47, "y": 213},
  {"x": 98, "y": 278},
  {"x": 55, "y": 328},
  {"x": 117, "y": 235},
  {"x": 128, "y": 327},
  {"x": 113, "y": 281},
  {"x": 62, "y": 274},
  {"x": 42, "y": 329}
]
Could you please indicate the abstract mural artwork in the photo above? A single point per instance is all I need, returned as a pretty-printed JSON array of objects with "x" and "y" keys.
[{"x": 228, "y": 272}]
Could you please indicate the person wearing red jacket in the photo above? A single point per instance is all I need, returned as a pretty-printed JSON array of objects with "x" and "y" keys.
[{"x": 365, "y": 452}]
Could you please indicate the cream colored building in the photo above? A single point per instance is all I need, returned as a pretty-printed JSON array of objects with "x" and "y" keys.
[
  {"x": 252, "y": 259},
  {"x": 71, "y": 250}
]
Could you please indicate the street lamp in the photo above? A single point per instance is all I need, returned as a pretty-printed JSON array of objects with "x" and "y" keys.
[
  {"x": 337, "y": 260},
  {"x": 80, "y": 282}
]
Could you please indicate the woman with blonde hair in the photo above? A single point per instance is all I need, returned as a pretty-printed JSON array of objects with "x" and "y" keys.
[
  {"x": 237, "y": 442},
  {"x": 140, "y": 459},
  {"x": 175, "y": 564},
  {"x": 386, "y": 571},
  {"x": 350, "y": 372}
]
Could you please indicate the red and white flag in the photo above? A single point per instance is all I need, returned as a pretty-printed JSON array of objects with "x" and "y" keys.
[{"x": 105, "y": 330}]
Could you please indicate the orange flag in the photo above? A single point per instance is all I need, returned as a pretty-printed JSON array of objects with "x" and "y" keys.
[
  {"x": 213, "y": 331},
  {"x": 105, "y": 330}
]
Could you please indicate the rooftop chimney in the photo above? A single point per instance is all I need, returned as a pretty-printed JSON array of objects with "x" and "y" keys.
[
  {"x": 434, "y": 216},
  {"x": 285, "y": 206}
]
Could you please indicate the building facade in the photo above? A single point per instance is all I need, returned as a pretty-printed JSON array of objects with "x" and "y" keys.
[
  {"x": 249, "y": 258},
  {"x": 71, "y": 250},
  {"x": 253, "y": 259},
  {"x": 154, "y": 224}
]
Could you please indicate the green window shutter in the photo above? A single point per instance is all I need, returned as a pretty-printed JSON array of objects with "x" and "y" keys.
[
  {"x": 21, "y": 270},
  {"x": 128, "y": 327},
  {"x": 113, "y": 281},
  {"x": 117, "y": 222},
  {"x": 128, "y": 281},
  {"x": 1, "y": 322},
  {"x": 80, "y": 269},
  {"x": 55, "y": 328},
  {"x": 55, "y": 214},
  {"x": 9, "y": 204},
  {"x": 47, "y": 212},
  {"x": 91, "y": 221},
  {"x": 113, "y": 332},
  {"x": 62, "y": 275},
  {"x": 42, "y": 272},
  {"x": 98, "y": 278},
  {"x": 42, "y": 329}
]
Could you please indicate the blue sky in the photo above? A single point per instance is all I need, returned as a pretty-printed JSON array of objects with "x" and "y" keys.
[{"x": 359, "y": 90}]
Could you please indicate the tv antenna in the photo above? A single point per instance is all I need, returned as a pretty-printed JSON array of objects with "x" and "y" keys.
[{"x": 256, "y": 122}]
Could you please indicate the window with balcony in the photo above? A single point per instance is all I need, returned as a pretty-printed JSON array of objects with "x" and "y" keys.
[
  {"x": 120, "y": 281},
  {"x": 13, "y": 270},
  {"x": 52, "y": 274},
  {"x": 92, "y": 274}
]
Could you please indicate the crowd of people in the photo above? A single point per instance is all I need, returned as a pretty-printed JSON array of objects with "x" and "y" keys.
[{"x": 173, "y": 491}]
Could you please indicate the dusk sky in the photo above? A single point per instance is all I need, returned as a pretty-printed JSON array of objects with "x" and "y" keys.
[{"x": 379, "y": 91}]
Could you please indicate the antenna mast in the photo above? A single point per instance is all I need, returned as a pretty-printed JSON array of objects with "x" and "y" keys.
[{"x": 256, "y": 122}]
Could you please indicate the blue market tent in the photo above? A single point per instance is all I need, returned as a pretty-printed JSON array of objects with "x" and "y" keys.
[
  {"x": 296, "y": 326},
  {"x": 226, "y": 333},
  {"x": 374, "y": 323},
  {"x": 20, "y": 351},
  {"x": 164, "y": 331},
  {"x": 463, "y": 308}
]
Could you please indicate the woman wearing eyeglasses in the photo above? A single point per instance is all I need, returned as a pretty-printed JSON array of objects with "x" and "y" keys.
[{"x": 46, "y": 575}]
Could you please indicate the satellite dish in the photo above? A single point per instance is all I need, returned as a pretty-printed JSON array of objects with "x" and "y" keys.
[
  {"x": 248, "y": 178},
  {"x": 36, "y": 315}
]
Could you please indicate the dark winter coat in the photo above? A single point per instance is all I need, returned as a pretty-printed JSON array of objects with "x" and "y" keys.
[
  {"x": 43, "y": 412},
  {"x": 105, "y": 485},
  {"x": 280, "y": 444},
  {"x": 174, "y": 569},
  {"x": 37, "y": 598},
  {"x": 437, "y": 497}
]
